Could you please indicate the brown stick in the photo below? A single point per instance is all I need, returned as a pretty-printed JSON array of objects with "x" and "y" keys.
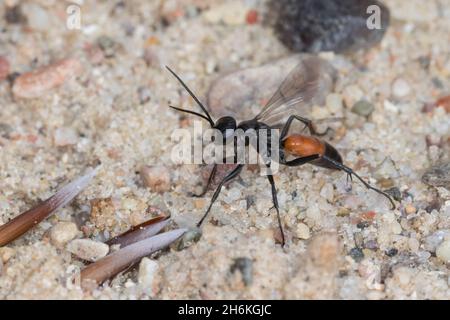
[
  {"x": 120, "y": 260},
  {"x": 25, "y": 221},
  {"x": 140, "y": 232}
]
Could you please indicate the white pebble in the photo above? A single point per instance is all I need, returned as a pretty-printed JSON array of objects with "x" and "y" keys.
[
  {"x": 65, "y": 136},
  {"x": 88, "y": 249},
  {"x": 157, "y": 178},
  {"x": 37, "y": 16},
  {"x": 230, "y": 13},
  {"x": 63, "y": 232},
  {"x": 6, "y": 253},
  {"x": 351, "y": 95},
  {"x": 396, "y": 228},
  {"x": 334, "y": 102},
  {"x": 443, "y": 251},
  {"x": 400, "y": 88},
  {"x": 413, "y": 244},
  {"x": 434, "y": 240},
  {"x": 147, "y": 271},
  {"x": 302, "y": 231},
  {"x": 327, "y": 192}
]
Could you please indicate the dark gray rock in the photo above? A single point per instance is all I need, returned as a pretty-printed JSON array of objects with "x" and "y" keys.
[{"x": 327, "y": 25}]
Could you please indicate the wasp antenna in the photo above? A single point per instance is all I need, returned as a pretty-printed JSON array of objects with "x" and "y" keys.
[
  {"x": 192, "y": 112},
  {"x": 192, "y": 95}
]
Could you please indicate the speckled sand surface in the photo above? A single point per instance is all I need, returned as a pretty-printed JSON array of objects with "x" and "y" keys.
[{"x": 335, "y": 248}]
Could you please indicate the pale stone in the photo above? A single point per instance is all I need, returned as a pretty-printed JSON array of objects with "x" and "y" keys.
[
  {"x": 157, "y": 178},
  {"x": 400, "y": 88},
  {"x": 6, "y": 253},
  {"x": 65, "y": 136},
  {"x": 443, "y": 251},
  {"x": 147, "y": 271},
  {"x": 88, "y": 249},
  {"x": 334, "y": 102},
  {"x": 63, "y": 232},
  {"x": 303, "y": 231}
]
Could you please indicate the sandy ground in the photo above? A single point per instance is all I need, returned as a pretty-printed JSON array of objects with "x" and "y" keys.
[{"x": 341, "y": 244}]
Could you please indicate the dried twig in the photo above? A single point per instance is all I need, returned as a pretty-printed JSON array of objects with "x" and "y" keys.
[
  {"x": 120, "y": 260},
  {"x": 25, "y": 221},
  {"x": 140, "y": 232}
]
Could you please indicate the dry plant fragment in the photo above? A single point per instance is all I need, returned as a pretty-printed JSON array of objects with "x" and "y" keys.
[
  {"x": 140, "y": 232},
  {"x": 120, "y": 260},
  {"x": 25, "y": 221}
]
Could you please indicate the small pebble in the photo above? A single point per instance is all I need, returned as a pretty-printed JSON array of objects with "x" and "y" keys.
[
  {"x": 438, "y": 176},
  {"x": 391, "y": 252},
  {"x": 65, "y": 137},
  {"x": 413, "y": 244},
  {"x": 443, "y": 102},
  {"x": 359, "y": 239},
  {"x": 63, "y": 232},
  {"x": 371, "y": 245},
  {"x": 386, "y": 169},
  {"x": 108, "y": 46},
  {"x": 443, "y": 251},
  {"x": 37, "y": 16},
  {"x": 14, "y": 15},
  {"x": 231, "y": 13},
  {"x": 4, "y": 68},
  {"x": 357, "y": 254},
  {"x": 245, "y": 267},
  {"x": 410, "y": 209},
  {"x": 363, "y": 224},
  {"x": 363, "y": 108},
  {"x": 302, "y": 231},
  {"x": 327, "y": 192},
  {"x": 6, "y": 253},
  {"x": 352, "y": 94},
  {"x": 400, "y": 88},
  {"x": 146, "y": 275},
  {"x": 103, "y": 213},
  {"x": 144, "y": 94},
  {"x": 36, "y": 83},
  {"x": 252, "y": 17},
  {"x": 192, "y": 236},
  {"x": 343, "y": 212},
  {"x": 157, "y": 178},
  {"x": 432, "y": 241},
  {"x": 87, "y": 249},
  {"x": 334, "y": 102}
]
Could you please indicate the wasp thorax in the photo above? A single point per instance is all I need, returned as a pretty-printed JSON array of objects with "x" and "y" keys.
[{"x": 226, "y": 125}]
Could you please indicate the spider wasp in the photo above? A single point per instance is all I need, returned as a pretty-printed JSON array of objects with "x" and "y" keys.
[{"x": 286, "y": 106}]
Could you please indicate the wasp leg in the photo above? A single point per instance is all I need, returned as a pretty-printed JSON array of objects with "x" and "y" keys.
[
  {"x": 275, "y": 205},
  {"x": 308, "y": 124},
  {"x": 299, "y": 161},
  {"x": 210, "y": 179},
  {"x": 229, "y": 177},
  {"x": 350, "y": 172}
]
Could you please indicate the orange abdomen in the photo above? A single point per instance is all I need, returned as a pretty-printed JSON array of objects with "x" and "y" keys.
[{"x": 302, "y": 146}]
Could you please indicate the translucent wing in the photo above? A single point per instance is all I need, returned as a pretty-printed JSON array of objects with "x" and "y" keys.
[{"x": 295, "y": 93}]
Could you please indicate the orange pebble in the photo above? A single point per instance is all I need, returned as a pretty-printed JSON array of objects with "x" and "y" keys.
[{"x": 252, "y": 16}]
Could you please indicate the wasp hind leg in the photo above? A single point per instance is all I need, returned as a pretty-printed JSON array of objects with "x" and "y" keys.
[{"x": 351, "y": 173}]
